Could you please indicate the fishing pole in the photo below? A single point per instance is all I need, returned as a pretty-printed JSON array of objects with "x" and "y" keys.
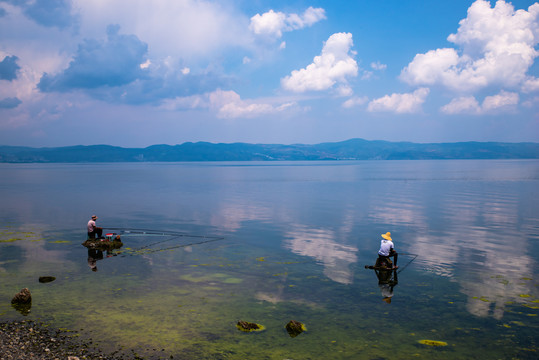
[
  {"x": 174, "y": 235},
  {"x": 149, "y": 251},
  {"x": 132, "y": 231},
  {"x": 409, "y": 262}
]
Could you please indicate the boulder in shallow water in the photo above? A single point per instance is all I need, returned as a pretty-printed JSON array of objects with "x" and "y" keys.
[
  {"x": 294, "y": 328},
  {"x": 46, "y": 279},
  {"x": 103, "y": 244},
  {"x": 22, "y": 301},
  {"x": 22, "y": 297},
  {"x": 249, "y": 326}
]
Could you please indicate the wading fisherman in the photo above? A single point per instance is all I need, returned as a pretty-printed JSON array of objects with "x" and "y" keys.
[
  {"x": 93, "y": 230},
  {"x": 387, "y": 249}
]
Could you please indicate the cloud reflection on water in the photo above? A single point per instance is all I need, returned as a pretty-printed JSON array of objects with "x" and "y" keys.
[{"x": 322, "y": 245}]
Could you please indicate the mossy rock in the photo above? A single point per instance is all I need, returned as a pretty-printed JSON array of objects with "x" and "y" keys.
[
  {"x": 294, "y": 328},
  {"x": 249, "y": 326},
  {"x": 103, "y": 245}
]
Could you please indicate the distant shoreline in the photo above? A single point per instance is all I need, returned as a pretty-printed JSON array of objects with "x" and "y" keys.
[{"x": 353, "y": 149}]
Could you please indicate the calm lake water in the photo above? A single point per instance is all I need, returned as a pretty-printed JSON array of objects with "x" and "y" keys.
[{"x": 268, "y": 242}]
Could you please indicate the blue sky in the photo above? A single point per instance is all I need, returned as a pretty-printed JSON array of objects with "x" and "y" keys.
[{"x": 140, "y": 72}]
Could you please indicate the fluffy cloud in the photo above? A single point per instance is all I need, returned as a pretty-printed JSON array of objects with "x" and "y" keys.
[
  {"x": 400, "y": 103},
  {"x": 272, "y": 24},
  {"x": 9, "y": 68},
  {"x": 230, "y": 106},
  {"x": 226, "y": 104},
  {"x": 334, "y": 65},
  {"x": 462, "y": 105},
  {"x": 469, "y": 105},
  {"x": 355, "y": 101},
  {"x": 114, "y": 62},
  {"x": 503, "y": 99},
  {"x": 530, "y": 85},
  {"x": 497, "y": 48}
]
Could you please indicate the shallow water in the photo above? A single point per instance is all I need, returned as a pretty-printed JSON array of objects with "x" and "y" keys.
[{"x": 271, "y": 242}]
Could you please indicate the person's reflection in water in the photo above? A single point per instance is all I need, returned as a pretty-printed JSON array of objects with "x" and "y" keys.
[
  {"x": 93, "y": 256},
  {"x": 96, "y": 247},
  {"x": 387, "y": 280}
]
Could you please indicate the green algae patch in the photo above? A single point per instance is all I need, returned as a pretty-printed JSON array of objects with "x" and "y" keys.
[
  {"x": 13, "y": 236},
  {"x": 482, "y": 298},
  {"x": 260, "y": 259},
  {"x": 432, "y": 343},
  {"x": 525, "y": 295},
  {"x": 249, "y": 326},
  {"x": 60, "y": 242},
  {"x": 10, "y": 240}
]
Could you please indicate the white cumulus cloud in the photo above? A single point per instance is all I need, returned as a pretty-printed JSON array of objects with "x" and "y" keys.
[
  {"x": 462, "y": 105},
  {"x": 226, "y": 104},
  {"x": 503, "y": 99},
  {"x": 496, "y": 47},
  {"x": 355, "y": 101},
  {"x": 334, "y": 65},
  {"x": 273, "y": 24},
  {"x": 400, "y": 103},
  {"x": 530, "y": 85},
  {"x": 469, "y": 104}
]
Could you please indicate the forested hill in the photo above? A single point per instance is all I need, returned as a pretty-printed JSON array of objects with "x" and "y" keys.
[{"x": 354, "y": 149}]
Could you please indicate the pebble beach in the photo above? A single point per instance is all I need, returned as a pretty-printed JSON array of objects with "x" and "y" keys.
[{"x": 31, "y": 340}]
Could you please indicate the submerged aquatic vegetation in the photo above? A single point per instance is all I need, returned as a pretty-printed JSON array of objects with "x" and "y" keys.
[
  {"x": 433, "y": 342},
  {"x": 482, "y": 298},
  {"x": 10, "y": 240},
  {"x": 8, "y": 236}
]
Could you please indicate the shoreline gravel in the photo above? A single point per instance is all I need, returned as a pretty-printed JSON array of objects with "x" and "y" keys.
[{"x": 32, "y": 340}]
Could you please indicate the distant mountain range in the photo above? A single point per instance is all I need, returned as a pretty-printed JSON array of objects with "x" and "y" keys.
[{"x": 354, "y": 149}]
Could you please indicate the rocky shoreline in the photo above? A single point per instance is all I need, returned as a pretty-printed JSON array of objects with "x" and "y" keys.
[{"x": 32, "y": 340}]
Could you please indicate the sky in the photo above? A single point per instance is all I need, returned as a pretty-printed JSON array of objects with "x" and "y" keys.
[{"x": 134, "y": 73}]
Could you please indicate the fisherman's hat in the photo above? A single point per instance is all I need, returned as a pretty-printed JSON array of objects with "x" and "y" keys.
[
  {"x": 387, "y": 236},
  {"x": 94, "y": 217}
]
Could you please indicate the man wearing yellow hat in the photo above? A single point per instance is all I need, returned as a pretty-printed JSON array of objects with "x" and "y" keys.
[{"x": 387, "y": 249}]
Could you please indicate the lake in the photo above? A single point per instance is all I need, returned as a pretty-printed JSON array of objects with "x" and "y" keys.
[{"x": 208, "y": 244}]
